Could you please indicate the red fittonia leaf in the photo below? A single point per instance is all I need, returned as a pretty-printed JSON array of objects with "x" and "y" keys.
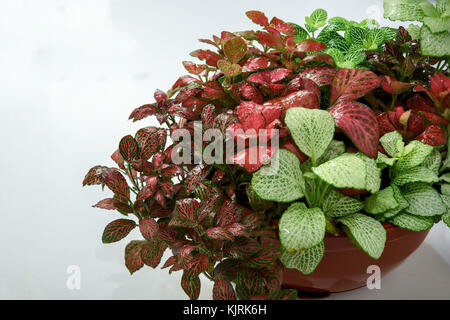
[
  {"x": 253, "y": 158},
  {"x": 359, "y": 123},
  {"x": 191, "y": 286},
  {"x": 186, "y": 208},
  {"x": 291, "y": 146},
  {"x": 439, "y": 85},
  {"x": 257, "y": 63},
  {"x": 129, "y": 148},
  {"x": 149, "y": 228},
  {"x": 213, "y": 91},
  {"x": 133, "y": 260},
  {"x": 320, "y": 75},
  {"x": 235, "y": 49},
  {"x": 208, "y": 116},
  {"x": 242, "y": 248},
  {"x": 208, "y": 207},
  {"x": 194, "y": 68},
  {"x": 116, "y": 183},
  {"x": 283, "y": 27},
  {"x": 143, "y": 112},
  {"x": 94, "y": 176},
  {"x": 270, "y": 40},
  {"x": 433, "y": 118},
  {"x": 258, "y": 17},
  {"x": 414, "y": 122},
  {"x": 250, "y": 92},
  {"x": 107, "y": 204},
  {"x": 223, "y": 121},
  {"x": 219, "y": 233},
  {"x": 117, "y": 230},
  {"x": 229, "y": 213},
  {"x": 352, "y": 84},
  {"x": 419, "y": 103},
  {"x": 184, "y": 81},
  {"x": 249, "y": 284},
  {"x": 117, "y": 158},
  {"x": 167, "y": 189},
  {"x": 255, "y": 116},
  {"x": 229, "y": 69},
  {"x": 392, "y": 86},
  {"x": 318, "y": 59},
  {"x": 181, "y": 222},
  {"x": 148, "y": 142},
  {"x": 237, "y": 229},
  {"x": 403, "y": 36},
  {"x": 302, "y": 98},
  {"x": 310, "y": 45},
  {"x": 209, "y": 56},
  {"x": 152, "y": 252},
  {"x": 195, "y": 177},
  {"x": 433, "y": 136},
  {"x": 223, "y": 290},
  {"x": 283, "y": 294},
  {"x": 263, "y": 258},
  {"x": 197, "y": 265}
]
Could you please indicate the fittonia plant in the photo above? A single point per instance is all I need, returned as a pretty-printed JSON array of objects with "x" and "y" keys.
[{"x": 361, "y": 115}]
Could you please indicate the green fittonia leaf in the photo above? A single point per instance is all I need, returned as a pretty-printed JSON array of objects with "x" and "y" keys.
[
  {"x": 433, "y": 161},
  {"x": 414, "y": 31},
  {"x": 335, "y": 149},
  {"x": 301, "y": 228},
  {"x": 416, "y": 174},
  {"x": 317, "y": 19},
  {"x": 443, "y": 7},
  {"x": 445, "y": 177},
  {"x": 445, "y": 189},
  {"x": 304, "y": 261},
  {"x": 366, "y": 232},
  {"x": 434, "y": 44},
  {"x": 437, "y": 24},
  {"x": 413, "y": 155},
  {"x": 354, "y": 171},
  {"x": 414, "y": 223},
  {"x": 281, "y": 180},
  {"x": 383, "y": 160},
  {"x": 423, "y": 200},
  {"x": 338, "y": 205},
  {"x": 392, "y": 143},
  {"x": 446, "y": 219},
  {"x": 381, "y": 201},
  {"x": 403, "y": 10},
  {"x": 311, "y": 129},
  {"x": 402, "y": 204}
]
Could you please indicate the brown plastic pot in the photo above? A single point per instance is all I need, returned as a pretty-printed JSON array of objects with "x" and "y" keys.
[{"x": 344, "y": 267}]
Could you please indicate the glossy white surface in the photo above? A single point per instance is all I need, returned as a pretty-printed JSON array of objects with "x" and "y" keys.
[{"x": 71, "y": 73}]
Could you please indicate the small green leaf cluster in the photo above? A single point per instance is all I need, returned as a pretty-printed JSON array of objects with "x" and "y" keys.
[
  {"x": 434, "y": 31},
  {"x": 410, "y": 201},
  {"x": 346, "y": 40},
  {"x": 303, "y": 224}
]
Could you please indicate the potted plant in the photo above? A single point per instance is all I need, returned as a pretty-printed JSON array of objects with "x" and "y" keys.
[{"x": 349, "y": 168}]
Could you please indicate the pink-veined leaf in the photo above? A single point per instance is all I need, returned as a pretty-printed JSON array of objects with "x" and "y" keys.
[
  {"x": 257, "y": 63},
  {"x": 186, "y": 208},
  {"x": 310, "y": 45},
  {"x": 133, "y": 260},
  {"x": 191, "y": 286},
  {"x": 302, "y": 98},
  {"x": 223, "y": 290},
  {"x": 211, "y": 205},
  {"x": 253, "y": 158},
  {"x": 229, "y": 69},
  {"x": 197, "y": 265},
  {"x": 250, "y": 92},
  {"x": 351, "y": 84},
  {"x": 219, "y": 233},
  {"x": 209, "y": 56},
  {"x": 152, "y": 252},
  {"x": 283, "y": 294},
  {"x": 359, "y": 123},
  {"x": 270, "y": 40},
  {"x": 433, "y": 135},
  {"x": 283, "y": 27},
  {"x": 116, "y": 183},
  {"x": 242, "y": 248},
  {"x": 149, "y": 228},
  {"x": 143, "y": 112},
  {"x": 193, "y": 68},
  {"x": 213, "y": 91},
  {"x": 317, "y": 59},
  {"x": 129, "y": 148},
  {"x": 184, "y": 81},
  {"x": 94, "y": 176},
  {"x": 235, "y": 49},
  {"x": 258, "y": 17},
  {"x": 249, "y": 284},
  {"x": 117, "y": 158},
  {"x": 107, "y": 204},
  {"x": 208, "y": 116},
  {"x": 228, "y": 213},
  {"x": 320, "y": 75},
  {"x": 117, "y": 230}
]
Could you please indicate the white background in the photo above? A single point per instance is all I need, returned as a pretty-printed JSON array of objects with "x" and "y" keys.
[{"x": 70, "y": 74}]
